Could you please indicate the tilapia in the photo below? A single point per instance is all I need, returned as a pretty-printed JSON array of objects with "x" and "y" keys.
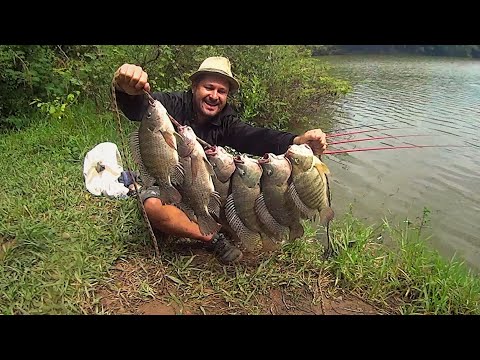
[
  {"x": 240, "y": 206},
  {"x": 309, "y": 188},
  {"x": 224, "y": 166},
  {"x": 195, "y": 184},
  {"x": 154, "y": 149},
  {"x": 275, "y": 210}
]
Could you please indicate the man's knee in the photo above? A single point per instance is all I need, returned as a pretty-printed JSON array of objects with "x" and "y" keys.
[{"x": 154, "y": 208}]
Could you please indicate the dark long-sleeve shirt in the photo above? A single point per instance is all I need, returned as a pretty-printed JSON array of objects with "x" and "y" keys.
[{"x": 225, "y": 129}]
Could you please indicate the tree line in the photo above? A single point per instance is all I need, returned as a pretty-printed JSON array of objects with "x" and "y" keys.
[{"x": 472, "y": 51}]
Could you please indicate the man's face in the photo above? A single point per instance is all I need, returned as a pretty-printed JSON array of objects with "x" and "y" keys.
[{"x": 210, "y": 95}]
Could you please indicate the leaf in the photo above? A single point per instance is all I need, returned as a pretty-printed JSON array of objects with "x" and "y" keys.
[{"x": 175, "y": 280}]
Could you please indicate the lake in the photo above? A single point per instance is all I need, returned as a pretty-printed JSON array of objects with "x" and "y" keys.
[{"x": 437, "y": 98}]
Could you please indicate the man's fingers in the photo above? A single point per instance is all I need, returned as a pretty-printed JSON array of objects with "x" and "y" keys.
[
  {"x": 135, "y": 78},
  {"x": 142, "y": 82},
  {"x": 147, "y": 87}
]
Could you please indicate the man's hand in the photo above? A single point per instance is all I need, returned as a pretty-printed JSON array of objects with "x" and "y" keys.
[
  {"x": 315, "y": 138},
  {"x": 131, "y": 79}
]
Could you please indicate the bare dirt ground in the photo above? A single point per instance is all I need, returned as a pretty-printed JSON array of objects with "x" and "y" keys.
[{"x": 139, "y": 287}]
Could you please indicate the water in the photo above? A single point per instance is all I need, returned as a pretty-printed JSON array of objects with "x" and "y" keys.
[{"x": 437, "y": 97}]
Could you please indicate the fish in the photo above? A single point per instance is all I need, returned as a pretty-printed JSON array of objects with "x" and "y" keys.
[
  {"x": 154, "y": 150},
  {"x": 224, "y": 166},
  {"x": 195, "y": 183},
  {"x": 274, "y": 208},
  {"x": 308, "y": 186},
  {"x": 240, "y": 205}
]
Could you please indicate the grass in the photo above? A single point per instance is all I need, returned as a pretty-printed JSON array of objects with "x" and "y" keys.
[
  {"x": 61, "y": 249},
  {"x": 407, "y": 277}
]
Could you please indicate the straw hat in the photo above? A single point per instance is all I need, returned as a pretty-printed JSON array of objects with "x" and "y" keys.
[{"x": 218, "y": 65}]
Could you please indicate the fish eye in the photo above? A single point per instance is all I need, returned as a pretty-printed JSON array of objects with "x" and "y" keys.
[
  {"x": 296, "y": 161},
  {"x": 149, "y": 115},
  {"x": 214, "y": 165},
  {"x": 269, "y": 172}
]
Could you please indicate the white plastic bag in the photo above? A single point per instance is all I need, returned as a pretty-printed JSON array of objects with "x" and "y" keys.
[{"x": 101, "y": 168}]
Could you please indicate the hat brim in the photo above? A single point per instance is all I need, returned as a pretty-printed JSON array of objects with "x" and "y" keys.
[{"x": 234, "y": 85}]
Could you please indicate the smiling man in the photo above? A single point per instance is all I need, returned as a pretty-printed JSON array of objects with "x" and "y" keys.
[{"x": 204, "y": 107}]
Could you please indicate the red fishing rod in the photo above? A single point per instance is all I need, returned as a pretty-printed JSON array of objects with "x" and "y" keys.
[
  {"x": 331, "y": 152},
  {"x": 361, "y": 131},
  {"x": 371, "y": 139}
]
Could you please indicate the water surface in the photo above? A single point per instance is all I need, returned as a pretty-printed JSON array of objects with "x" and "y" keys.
[{"x": 432, "y": 96}]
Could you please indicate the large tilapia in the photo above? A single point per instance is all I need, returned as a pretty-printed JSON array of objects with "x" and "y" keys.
[
  {"x": 224, "y": 166},
  {"x": 154, "y": 149},
  {"x": 309, "y": 188},
  {"x": 274, "y": 208},
  {"x": 240, "y": 206},
  {"x": 199, "y": 197}
]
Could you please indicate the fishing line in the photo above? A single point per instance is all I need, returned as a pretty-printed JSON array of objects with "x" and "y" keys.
[{"x": 127, "y": 162}]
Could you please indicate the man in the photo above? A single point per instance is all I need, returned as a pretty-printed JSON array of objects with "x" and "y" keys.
[{"x": 205, "y": 109}]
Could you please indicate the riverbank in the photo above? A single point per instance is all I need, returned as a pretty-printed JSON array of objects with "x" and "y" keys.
[{"x": 64, "y": 251}]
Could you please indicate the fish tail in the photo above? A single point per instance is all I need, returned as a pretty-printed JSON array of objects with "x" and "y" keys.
[
  {"x": 169, "y": 194},
  {"x": 207, "y": 224},
  {"x": 296, "y": 231}
]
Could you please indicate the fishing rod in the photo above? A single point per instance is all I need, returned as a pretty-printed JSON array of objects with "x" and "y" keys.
[
  {"x": 372, "y": 138},
  {"x": 367, "y": 125},
  {"x": 362, "y": 131},
  {"x": 331, "y": 152}
]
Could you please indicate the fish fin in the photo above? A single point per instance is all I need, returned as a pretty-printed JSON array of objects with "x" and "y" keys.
[
  {"x": 187, "y": 210},
  {"x": 269, "y": 244},
  {"x": 169, "y": 139},
  {"x": 195, "y": 165},
  {"x": 147, "y": 179},
  {"x": 207, "y": 224},
  {"x": 268, "y": 220},
  {"x": 215, "y": 204},
  {"x": 321, "y": 167},
  {"x": 209, "y": 166},
  {"x": 247, "y": 237},
  {"x": 169, "y": 194},
  {"x": 304, "y": 209},
  {"x": 296, "y": 231},
  {"x": 179, "y": 136},
  {"x": 326, "y": 215},
  {"x": 178, "y": 175}
]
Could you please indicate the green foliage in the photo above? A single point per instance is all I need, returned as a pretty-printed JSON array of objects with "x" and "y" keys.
[
  {"x": 56, "y": 108},
  {"x": 280, "y": 85}
]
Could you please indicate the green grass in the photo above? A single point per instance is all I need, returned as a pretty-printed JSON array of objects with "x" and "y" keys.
[
  {"x": 59, "y": 245},
  {"x": 57, "y": 241},
  {"x": 405, "y": 274}
]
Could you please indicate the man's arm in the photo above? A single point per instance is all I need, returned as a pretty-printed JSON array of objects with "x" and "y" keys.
[
  {"x": 255, "y": 140},
  {"x": 133, "y": 106}
]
